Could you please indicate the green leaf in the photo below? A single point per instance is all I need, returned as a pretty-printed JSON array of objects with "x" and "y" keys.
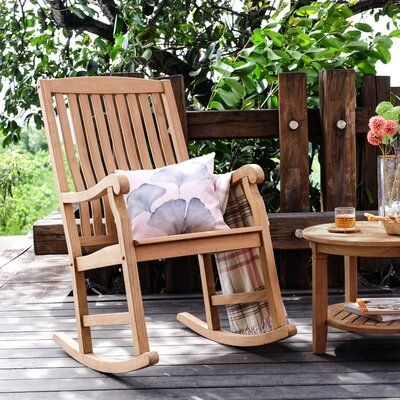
[
  {"x": 308, "y": 10},
  {"x": 366, "y": 67},
  {"x": 248, "y": 104},
  {"x": 363, "y": 27},
  {"x": 357, "y": 44},
  {"x": 303, "y": 39},
  {"x": 236, "y": 87},
  {"x": 395, "y": 33},
  {"x": 118, "y": 24},
  {"x": 210, "y": 50},
  {"x": 222, "y": 68},
  {"x": 245, "y": 68},
  {"x": 384, "y": 53},
  {"x": 228, "y": 97},
  {"x": 384, "y": 40},
  {"x": 248, "y": 84},
  {"x": 216, "y": 105},
  {"x": 276, "y": 37},
  {"x": 147, "y": 54}
]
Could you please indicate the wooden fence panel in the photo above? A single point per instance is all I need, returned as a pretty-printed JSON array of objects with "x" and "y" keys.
[{"x": 294, "y": 169}]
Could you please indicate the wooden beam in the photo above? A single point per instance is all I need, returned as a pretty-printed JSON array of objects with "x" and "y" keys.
[
  {"x": 231, "y": 124},
  {"x": 238, "y": 298},
  {"x": 121, "y": 318},
  {"x": 283, "y": 226}
]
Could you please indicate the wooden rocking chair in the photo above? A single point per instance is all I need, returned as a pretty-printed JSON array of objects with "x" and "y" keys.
[{"x": 109, "y": 123}]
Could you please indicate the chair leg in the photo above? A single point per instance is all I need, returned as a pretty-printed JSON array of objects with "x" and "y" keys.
[
  {"x": 83, "y": 350},
  {"x": 81, "y": 309},
  {"x": 135, "y": 305},
  {"x": 274, "y": 298},
  {"x": 211, "y": 329},
  {"x": 208, "y": 286}
]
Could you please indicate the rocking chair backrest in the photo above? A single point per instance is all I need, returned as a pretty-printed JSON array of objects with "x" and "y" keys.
[{"x": 96, "y": 125}]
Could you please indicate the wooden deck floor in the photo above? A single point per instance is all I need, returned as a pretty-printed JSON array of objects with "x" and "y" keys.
[{"x": 34, "y": 304}]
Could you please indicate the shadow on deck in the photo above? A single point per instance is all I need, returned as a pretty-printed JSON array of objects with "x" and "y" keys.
[{"x": 33, "y": 292}]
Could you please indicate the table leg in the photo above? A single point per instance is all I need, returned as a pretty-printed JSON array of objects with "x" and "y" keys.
[
  {"x": 319, "y": 300},
  {"x": 350, "y": 279}
]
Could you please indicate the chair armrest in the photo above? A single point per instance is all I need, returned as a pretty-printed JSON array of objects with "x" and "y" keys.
[
  {"x": 118, "y": 182},
  {"x": 253, "y": 172}
]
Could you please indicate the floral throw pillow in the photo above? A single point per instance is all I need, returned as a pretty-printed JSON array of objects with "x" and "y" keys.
[{"x": 179, "y": 198}]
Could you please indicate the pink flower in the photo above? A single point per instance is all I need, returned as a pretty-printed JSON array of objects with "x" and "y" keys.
[
  {"x": 390, "y": 128},
  {"x": 377, "y": 124},
  {"x": 374, "y": 138}
]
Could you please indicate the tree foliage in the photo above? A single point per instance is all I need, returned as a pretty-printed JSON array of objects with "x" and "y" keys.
[
  {"x": 27, "y": 190},
  {"x": 195, "y": 38}
]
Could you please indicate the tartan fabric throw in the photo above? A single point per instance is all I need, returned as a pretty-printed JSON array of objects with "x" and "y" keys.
[{"x": 240, "y": 270}]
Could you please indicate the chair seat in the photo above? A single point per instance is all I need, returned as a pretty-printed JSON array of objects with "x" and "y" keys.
[{"x": 197, "y": 243}]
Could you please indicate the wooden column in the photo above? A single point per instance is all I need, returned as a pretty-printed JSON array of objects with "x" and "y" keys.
[
  {"x": 337, "y": 110},
  {"x": 374, "y": 90},
  {"x": 293, "y": 142},
  {"x": 338, "y": 144},
  {"x": 294, "y": 169}
]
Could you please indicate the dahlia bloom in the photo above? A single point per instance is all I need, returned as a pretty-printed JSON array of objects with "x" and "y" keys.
[
  {"x": 374, "y": 138},
  {"x": 377, "y": 124},
  {"x": 390, "y": 128}
]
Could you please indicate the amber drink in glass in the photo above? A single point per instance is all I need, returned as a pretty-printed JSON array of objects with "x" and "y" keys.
[{"x": 345, "y": 218}]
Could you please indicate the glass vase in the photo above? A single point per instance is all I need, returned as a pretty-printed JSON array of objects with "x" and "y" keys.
[{"x": 389, "y": 185}]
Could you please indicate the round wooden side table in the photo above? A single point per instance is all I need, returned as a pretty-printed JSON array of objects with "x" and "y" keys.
[{"x": 372, "y": 241}]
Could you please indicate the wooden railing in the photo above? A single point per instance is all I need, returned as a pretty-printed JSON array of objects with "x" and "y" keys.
[{"x": 348, "y": 162}]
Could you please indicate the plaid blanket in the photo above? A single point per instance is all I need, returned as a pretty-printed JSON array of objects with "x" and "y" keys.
[{"x": 240, "y": 270}]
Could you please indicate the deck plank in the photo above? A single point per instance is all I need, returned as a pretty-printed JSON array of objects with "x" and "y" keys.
[{"x": 35, "y": 303}]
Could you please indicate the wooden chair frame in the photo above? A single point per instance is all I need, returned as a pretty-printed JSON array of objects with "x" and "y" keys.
[{"x": 130, "y": 123}]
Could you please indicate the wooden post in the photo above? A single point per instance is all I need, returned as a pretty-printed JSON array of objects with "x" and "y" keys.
[
  {"x": 294, "y": 168},
  {"x": 337, "y": 110},
  {"x": 338, "y": 144},
  {"x": 374, "y": 90},
  {"x": 293, "y": 142}
]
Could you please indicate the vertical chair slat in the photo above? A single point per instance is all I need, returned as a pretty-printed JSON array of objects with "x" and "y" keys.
[
  {"x": 91, "y": 138},
  {"x": 130, "y": 145},
  {"x": 174, "y": 123},
  {"x": 134, "y": 113},
  {"x": 106, "y": 149},
  {"x": 73, "y": 162},
  {"x": 151, "y": 131},
  {"x": 84, "y": 159},
  {"x": 115, "y": 132},
  {"x": 163, "y": 129}
]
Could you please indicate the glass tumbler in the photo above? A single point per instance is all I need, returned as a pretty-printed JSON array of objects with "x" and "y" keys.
[{"x": 345, "y": 217}]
